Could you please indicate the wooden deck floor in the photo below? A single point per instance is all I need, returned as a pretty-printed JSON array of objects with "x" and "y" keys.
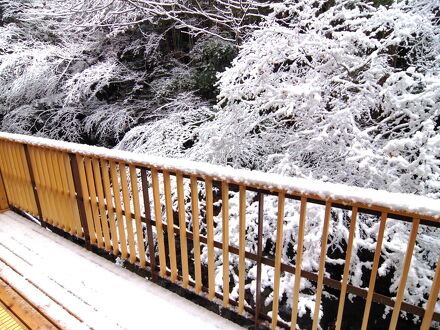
[
  {"x": 61, "y": 285},
  {"x": 8, "y": 320},
  {"x": 17, "y": 313}
]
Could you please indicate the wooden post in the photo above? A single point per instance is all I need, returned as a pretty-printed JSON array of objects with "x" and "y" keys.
[
  {"x": 34, "y": 186},
  {"x": 4, "y": 203},
  {"x": 80, "y": 200},
  {"x": 147, "y": 209}
]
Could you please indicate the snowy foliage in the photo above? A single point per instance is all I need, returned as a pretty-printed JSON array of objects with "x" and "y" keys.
[
  {"x": 349, "y": 94},
  {"x": 84, "y": 85},
  {"x": 173, "y": 132},
  {"x": 110, "y": 121},
  {"x": 352, "y": 94},
  {"x": 227, "y": 20},
  {"x": 353, "y": 114},
  {"x": 99, "y": 62},
  {"x": 28, "y": 74}
]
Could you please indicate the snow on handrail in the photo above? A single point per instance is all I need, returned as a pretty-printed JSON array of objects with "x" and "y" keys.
[{"x": 406, "y": 204}]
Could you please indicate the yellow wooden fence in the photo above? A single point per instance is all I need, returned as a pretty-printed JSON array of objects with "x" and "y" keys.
[{"x": 105, "y": 202}]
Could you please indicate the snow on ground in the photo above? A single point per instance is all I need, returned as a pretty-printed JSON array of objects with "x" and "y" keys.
[{"x": 81, "y": 290}]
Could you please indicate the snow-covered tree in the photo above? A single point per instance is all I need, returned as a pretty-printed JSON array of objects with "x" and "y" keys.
[
  {"x": 129, "y": 58},
  {"x": 346, "y": 92},
  {"x": 355, "y": 87},
  {"x": 229, "y": 20}
]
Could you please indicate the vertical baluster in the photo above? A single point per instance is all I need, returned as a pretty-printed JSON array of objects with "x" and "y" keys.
[
  {"x": 8, "y": 175},
  {"x": 196, "y": 233},
  {"x": 158, "y": 218},
  {"x": 80, "y": 162},
  {"x": 210, "y": 238},
  {"x": 346, "y": 268},
  {"x": 21, "y": 196},
  {"x": 32, "y": 173},
  {"x": 128, "y": 220},
  {"x": 44, "y": 158},
  {"x": 77, "y": 203},
  {"x": 149, "y": 225},
  {"x": 225, "y": 236},
  {"x": 102, "y": 207},
  {"x": 44, "y": 186},
  {"x": 76, "y": 192},
  {"x": 182, "y": 225},
  {"x": 137, "y": 216},
  {"x": 13, "y": 176},
  {"x": 299, "y": 252},
  {"x": 110, "y": 206},
  {"x": 241, "y": 248},
  {"x": 170, "y": 225},
  {"x": 55, "y": 184},
  {"x": 432, "y": 301},
  {"x": 405, "y": 271},
  {"x": 4, "y": 202},
  {"x": 29, "y": 173},
  {"x": 63, "y": 213},
  {"x": 28, "y": 179},
  {"x": 10, "y": 187},
  {"x": 259, "y": 259},
  {"x": 93, "y": 201},
  {"x": 278, "y": 253},
  {"x": 17, "y": 175},
  {"x": 319, "y": 285},
  {"x": 118, "y": 206},
  {"x": 60, "y": 174},
  {"x": 376, "y": 260},
  {"x": 70, "y": 205},
  {"x": 23, "y": 174}
]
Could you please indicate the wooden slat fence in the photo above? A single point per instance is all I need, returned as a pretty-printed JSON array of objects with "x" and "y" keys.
[{"x": 163, "y": 220}]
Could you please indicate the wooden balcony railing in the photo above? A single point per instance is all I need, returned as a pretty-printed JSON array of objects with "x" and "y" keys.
[{"x": 158, "y": 214}]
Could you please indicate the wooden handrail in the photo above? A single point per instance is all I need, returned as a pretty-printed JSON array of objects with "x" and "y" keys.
[
  {"x": 96, "y": 195},
  {"x": 378, "y": 200}
]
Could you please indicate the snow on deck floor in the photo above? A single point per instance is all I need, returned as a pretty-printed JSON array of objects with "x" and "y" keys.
[{"x": 80, "y": 290}]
